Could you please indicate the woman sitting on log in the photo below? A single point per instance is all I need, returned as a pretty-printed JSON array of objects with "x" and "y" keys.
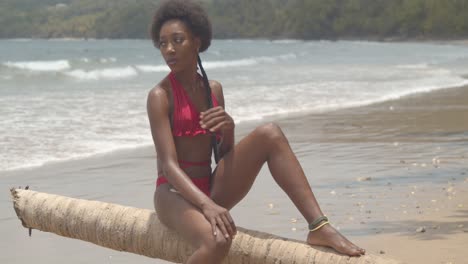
[{"x": 189, "y": 123}]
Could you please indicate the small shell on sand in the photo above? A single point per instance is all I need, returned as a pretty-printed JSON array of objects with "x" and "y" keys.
[
  {"x": 421, "y": 229},
  {"x": 361, "y": 179}
]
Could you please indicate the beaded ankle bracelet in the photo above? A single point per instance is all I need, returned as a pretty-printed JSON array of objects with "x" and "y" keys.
[{"x": 318, "y": 223}]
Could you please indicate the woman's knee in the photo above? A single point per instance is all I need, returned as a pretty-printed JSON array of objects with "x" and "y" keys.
[
  {"x": 218, "y": 246},
  {"x": 271, "y": 132}
]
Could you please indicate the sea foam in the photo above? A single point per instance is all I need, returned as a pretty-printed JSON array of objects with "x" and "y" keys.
[
  {"x": 103, "y": 74},
  {"x": 40, "y": 66}
]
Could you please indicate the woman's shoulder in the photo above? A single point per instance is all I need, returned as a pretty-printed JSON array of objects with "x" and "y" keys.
[
  {"x": 216, "y": 86},
  {"x": 160, "y": 89},
  {"x": 160, "y": 93},
  {"x": 217, "y": 90}
]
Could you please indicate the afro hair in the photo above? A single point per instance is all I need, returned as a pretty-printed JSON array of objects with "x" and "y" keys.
[{"x": 188, "y": 11}]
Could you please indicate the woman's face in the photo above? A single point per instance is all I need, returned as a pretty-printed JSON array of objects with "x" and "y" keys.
[{"x": 178, "y": 46}]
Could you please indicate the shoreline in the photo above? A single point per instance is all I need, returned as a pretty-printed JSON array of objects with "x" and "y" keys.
[
  {"x": 380, "y": 172},
  {"x": 250, "y": 124}
]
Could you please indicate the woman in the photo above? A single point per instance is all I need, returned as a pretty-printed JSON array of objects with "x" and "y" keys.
[{"x": 191, "y": 198}]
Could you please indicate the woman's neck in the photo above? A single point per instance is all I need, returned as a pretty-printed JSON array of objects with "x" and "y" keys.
[{"x": 188, "y": 79}]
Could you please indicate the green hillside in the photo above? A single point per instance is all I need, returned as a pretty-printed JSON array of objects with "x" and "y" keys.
[{"x": 301, "y": 19}]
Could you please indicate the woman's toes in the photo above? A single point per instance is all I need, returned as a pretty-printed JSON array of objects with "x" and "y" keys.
[{"x": 357, "y": 252}]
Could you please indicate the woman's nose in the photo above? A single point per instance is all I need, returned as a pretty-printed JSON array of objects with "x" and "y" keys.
[{"x": 170, "y": 48}]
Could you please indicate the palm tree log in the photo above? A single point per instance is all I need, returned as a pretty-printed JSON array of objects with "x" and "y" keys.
[{"x": 139, "y": 231}]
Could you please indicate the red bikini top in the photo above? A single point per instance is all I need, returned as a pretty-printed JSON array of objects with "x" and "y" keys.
[{"x": 185, "y": 118}]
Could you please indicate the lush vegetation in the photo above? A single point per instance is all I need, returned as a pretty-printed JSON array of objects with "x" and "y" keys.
[
  {"x": 75, "y": 18},
  {"x": 302, "y": 19}
]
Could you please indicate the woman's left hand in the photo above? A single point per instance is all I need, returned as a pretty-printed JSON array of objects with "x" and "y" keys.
[{"x": 216, "y": 119}]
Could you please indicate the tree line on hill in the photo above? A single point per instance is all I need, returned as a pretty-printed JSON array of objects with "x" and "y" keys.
[{"x": 273, "y": 19}]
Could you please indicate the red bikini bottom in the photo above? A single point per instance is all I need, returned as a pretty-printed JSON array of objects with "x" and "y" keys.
[{"x": 203, "y": 183}]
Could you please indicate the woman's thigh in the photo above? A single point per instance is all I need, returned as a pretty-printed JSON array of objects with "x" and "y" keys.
[
  {"x": 183, "y": 217},
  {"x": 238, "y": 169}
]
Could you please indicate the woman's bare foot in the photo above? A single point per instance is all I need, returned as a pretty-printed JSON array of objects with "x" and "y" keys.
[{"x": 329, "y": 237}]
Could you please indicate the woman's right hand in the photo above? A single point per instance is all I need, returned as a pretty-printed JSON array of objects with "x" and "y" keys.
[{"x": 219, "y": 217}]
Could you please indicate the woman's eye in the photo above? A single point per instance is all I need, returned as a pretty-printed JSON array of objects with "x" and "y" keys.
[
  {"x": 178, "y": 40},
  {"x": 162, "y": 44}
]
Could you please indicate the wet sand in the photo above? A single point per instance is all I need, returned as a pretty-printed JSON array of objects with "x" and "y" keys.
[
  {"x": 393, "y": 177},
  {"x": 409, "y": 162}
]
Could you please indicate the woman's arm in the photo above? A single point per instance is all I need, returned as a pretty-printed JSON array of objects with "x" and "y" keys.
[
  {"x": 220, "y": 120},
  {"x": 158, "y": 114}
]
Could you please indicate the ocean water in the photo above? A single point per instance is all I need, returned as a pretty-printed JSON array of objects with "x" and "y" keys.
[{"x": 68, "y": 99}]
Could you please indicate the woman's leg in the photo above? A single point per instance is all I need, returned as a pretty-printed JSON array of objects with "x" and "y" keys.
[
  {"x": 178, "y": 214},
  {"x": 238, "y": 169}
]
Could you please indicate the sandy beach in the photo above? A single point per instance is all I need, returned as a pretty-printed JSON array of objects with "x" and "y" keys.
[
  {"x": 392, "y": 177},
  {"x": 409, "y": 160}
]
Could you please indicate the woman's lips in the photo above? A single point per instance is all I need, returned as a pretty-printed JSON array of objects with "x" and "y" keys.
[{"x": 171, "y": 61}]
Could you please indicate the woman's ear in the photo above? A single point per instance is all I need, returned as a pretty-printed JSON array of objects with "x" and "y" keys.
[{"x": 197, "y": 44}]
